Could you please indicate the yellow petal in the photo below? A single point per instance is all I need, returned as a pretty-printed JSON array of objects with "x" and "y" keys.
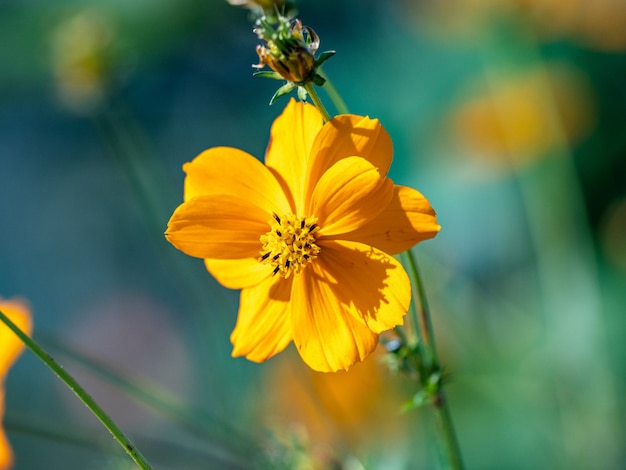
[
  {"x": 10, "y": 345},
  {"x": 327, "y": 337},
  {"x": 263, "y": 326},
  {"x": 10, "y": 348},
  {"x": 407, "y": 220},
  {"x": 221, "y": 227},
  {"x": 6, "y": 453},
  {"x": 238, "y": 273},
  {"x": 292, "y": 136},
  {"x": 349, "y": 135},
  {"x": 348, "y": 195},
  {"x": 371, "y": 285},
  {"x": 233, "y": 172}
]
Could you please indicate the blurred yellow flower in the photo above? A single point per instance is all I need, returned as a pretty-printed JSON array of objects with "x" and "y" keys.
[
  {"x": 308, "y": 236},
  {"x": 333, "y": 416},
  {"x": 598, "y": 25},
  {"x": 10, "y": 348},
  {"x": 519, "y": 117},
  {"x": 80, "y": 57}
]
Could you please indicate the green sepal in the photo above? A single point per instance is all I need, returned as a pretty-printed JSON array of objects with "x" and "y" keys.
[
  {"x": 302, "y": 93},
  {"x": 420, "y": 399},
  {"x": 427, "y": 395},
  {"x": 318, "y": 79},
  {"x": 268, "y": 74},
  {"x": 283, "y": 90},
  {"x": 323, "y": 57}
]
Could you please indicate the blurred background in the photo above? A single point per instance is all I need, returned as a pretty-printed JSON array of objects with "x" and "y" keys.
[{"x": 510, "y": 116}]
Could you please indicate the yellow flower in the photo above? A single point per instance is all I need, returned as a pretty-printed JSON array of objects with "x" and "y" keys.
[
  {"x": 308, "y": 236},
  {"x": 10, "y": 348}
]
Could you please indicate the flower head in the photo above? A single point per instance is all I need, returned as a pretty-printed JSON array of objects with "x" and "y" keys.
[
  {"x": 290, "y": 53},
  {"x": 10, "y": 348},
  {"x": 308, "y": 236},
  {"x": 291, "y": 49}
]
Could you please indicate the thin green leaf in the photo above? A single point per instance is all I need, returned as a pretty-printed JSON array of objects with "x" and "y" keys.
[{"x": 283, "y": 90}]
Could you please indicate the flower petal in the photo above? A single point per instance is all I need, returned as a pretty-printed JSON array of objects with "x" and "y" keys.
[
  {"x": 10, "y": 348},
  {"x": 371, "y": 285},
  {"x": 292, "y": 136},
  {"x": 349, "y": 135},
  {"x": 6, "y": 453},
  {"x": 327, "y": 337},
  {"x": 263, "y": 326},
  {"x": 407, "y": 220},
  {"x": 233, "y": 172},
  {"x": 221, "y": 227},
  {"x": 348, "y": 195},
  {"x": 238, "y": 273}
]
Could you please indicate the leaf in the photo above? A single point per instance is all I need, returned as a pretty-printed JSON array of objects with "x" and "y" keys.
[
  {"x": 323, "y": 57},
  {"x": 268, "y": 74},
  {"x": 283, "y": 90}
]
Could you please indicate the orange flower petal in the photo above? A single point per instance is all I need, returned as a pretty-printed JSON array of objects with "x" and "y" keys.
[
  {"x": 348, "y": 135},
  {"x": 238, "y": 273},
  {"x": 11, "y": 345},
  {"x": 6, "y": 453},
  {"x": 371, "y": 285},
  {"x": 10, "y": 348},
  {"x": 327, "y": 337},
  {"x": 292, "y": 136},
  {"x": 263, "y": 326},
  {"x": 220, "y": 227},
  {"x": 233, "y": 172},
  {"x": 407, "y": 220},
  {"x": 348, "y": 195}
]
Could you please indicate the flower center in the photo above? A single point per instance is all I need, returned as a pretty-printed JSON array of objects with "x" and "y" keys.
[{"x": 290, "y": 244}]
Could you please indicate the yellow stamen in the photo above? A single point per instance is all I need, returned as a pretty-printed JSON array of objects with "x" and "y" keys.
[{"x": 290, "y": 243}]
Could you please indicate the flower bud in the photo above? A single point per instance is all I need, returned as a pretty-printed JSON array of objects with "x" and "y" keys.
[{"x": 290, "y": 50}]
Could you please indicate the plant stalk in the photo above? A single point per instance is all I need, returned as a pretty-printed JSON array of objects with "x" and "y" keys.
[
  {"x": 424, "y": 324},
  {"x": 80, "y": 392},
  {"x": 317, "y": 101}
]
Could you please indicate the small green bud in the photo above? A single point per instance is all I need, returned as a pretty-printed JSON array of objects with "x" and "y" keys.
[{"x": 291, "y": 49}]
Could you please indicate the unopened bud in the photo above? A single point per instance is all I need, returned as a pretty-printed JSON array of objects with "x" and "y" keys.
[{"x": 291, "y": 49}]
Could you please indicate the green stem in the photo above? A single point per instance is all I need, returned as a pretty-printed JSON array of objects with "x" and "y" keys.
[
  {"x": 316, "y": 101},
  {"x": 446, "y": 430},
  {"x": 425, "y": 324},
  {"x": 401, "y": 334},
  {"x": 80, "y": 392},
  {"x": 429, "y": 352},
  {"x": 334, "y": 96},
  {"x": 417, "y": 330}
]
